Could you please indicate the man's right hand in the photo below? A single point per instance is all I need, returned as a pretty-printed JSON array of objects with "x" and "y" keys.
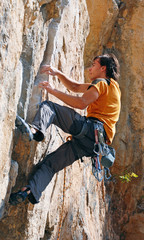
[
  {"x": 66, "y": 81},
  {"x": 49, "y": 70}
]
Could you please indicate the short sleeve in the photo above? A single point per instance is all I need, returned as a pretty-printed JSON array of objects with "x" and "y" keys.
[{"x": 101, "y": 87}]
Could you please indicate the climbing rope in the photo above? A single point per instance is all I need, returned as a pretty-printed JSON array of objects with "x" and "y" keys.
[
  {"x": 64, "y": 188},
  {"x": 96, "y": 170},
  {"x": 61, "y": 215}
]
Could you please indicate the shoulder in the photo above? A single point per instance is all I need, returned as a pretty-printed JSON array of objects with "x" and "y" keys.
[
  {"x": 97, "y": 81},
  {"x": 101, "y": 80},
  {"x": 115, "y": 85},
  {"x": 101, "y": 85}
]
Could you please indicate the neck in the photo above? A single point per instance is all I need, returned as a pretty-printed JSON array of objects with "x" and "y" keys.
[
  {"x": 93, "y": 79},
  {"x": 102, "y": 75}
]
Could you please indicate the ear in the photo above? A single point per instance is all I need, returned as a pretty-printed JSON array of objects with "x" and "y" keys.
[{"x": 103, "y": 68}]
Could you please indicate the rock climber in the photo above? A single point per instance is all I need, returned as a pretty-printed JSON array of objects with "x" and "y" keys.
[{"x": 102, "y": 100}]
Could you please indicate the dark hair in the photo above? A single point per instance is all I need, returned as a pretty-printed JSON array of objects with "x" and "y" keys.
[{"x": 112, "y": 65}]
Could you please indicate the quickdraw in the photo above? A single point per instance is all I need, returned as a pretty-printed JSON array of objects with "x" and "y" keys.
[
  {"x": 107, "y": 174},
  {"x": 99, "y": 148},
  {"x": 99, "y": 173},
  {"x": 96, "y": 168}
]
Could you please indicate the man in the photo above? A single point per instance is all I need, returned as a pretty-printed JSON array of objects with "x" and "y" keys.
[{"x": 101, "y": 97}]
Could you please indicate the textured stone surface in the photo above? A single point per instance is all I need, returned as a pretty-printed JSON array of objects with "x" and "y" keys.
[
  {"x": 103, "y": 15},
  {"x": 129, "y": 138},
  {"x": 10, "y": 83},
  {"x": 66, "y": 33}
]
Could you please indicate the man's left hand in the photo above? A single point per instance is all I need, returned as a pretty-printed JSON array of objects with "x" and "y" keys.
[{"x": 45, "y": 85}]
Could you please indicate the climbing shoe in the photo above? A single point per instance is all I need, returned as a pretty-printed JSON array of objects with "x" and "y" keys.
[
  {"x": 23, "y": 127},
  {"x": 38, "y": 136},
  {"x": 26, "y": 128},
  {"x": 18, "y": 197}
]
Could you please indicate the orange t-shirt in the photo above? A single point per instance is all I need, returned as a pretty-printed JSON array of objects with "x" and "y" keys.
[{"x": 107, "y": 107}]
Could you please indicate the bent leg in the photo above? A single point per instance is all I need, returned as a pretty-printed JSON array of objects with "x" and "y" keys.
[
  {"x": 52, "y": 163},
  {"x": 64, "y": 117}
]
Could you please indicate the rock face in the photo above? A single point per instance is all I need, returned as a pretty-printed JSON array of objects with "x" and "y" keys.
[{"x": 67, "y": 34}]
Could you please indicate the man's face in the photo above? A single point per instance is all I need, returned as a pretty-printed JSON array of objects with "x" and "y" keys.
[{"x": 96, "y": 70}]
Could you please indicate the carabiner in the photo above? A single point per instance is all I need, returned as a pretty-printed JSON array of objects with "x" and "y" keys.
[
  {"x": 107, "y": 174},
  {"x": 98, "y": 174}
]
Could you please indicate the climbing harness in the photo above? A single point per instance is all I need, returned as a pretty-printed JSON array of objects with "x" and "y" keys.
[{"x": 107, "y": 153}]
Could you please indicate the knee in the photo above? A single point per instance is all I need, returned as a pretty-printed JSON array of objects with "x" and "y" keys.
[{"x": 47, "y": 103}]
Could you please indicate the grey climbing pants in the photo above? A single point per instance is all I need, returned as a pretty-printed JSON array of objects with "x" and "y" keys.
[{"x": 70, "y": 122}]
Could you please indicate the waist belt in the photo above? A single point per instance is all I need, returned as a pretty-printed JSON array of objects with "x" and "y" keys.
[
  {"x": 83, "y": 131},
  {"x": 100, "y": 148},
  {"x": 98, "y": 124}
]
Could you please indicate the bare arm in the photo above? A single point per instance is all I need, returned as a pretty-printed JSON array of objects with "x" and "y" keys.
[
  {"x": 67, "y": 82},
  {"x": 82, "y": 102}
]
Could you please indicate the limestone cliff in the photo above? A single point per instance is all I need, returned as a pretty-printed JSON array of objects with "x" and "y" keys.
[{"x": 67, "y": 34}]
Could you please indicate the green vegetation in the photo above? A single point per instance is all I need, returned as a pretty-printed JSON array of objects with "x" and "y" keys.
[{"x": 127, "y": 177}]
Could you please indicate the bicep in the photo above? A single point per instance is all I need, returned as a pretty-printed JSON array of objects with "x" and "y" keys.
[
  {"x": 90, "y": 96},
  {"x": 81, "y": 87}
]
